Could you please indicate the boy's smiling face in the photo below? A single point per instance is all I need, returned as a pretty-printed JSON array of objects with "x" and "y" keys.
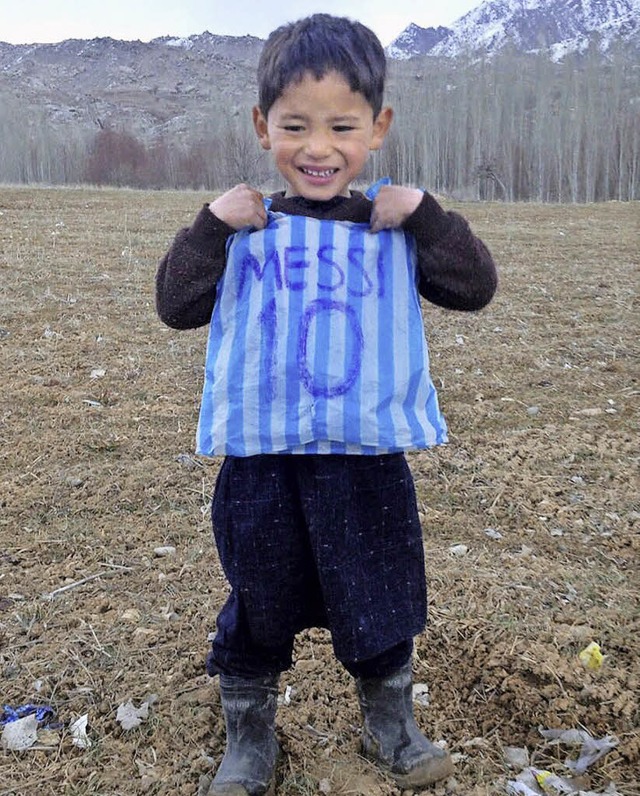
[{"x": 320, "y": 133}]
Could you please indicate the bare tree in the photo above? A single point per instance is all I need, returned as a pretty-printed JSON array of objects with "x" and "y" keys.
[{"x": 513, "y": 127}]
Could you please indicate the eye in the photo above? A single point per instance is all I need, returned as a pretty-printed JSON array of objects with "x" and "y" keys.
[
  {"x": 343, "y": 128},
  {"x": 293, "y": 128}
]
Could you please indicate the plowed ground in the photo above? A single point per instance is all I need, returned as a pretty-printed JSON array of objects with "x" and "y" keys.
[{"x": 98, "y": 409}]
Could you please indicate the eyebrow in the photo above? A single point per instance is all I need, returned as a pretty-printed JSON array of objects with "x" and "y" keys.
[{"x": 288, "y": 117}]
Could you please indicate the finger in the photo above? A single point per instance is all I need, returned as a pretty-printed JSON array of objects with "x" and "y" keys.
[
  {"x": 255, "y": 194},
  {"x": 261, "y": 218},
  {"x": 377, "y": 214},
  {"x": 378, "y": 222},
  {"x": 262, "y": 211},
  {"x": 257, "y": 200}
]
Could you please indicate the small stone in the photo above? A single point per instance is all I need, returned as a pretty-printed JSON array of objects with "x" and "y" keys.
[
  {"x": 145, "y": 632},
  {"x": 533, "y": 410},
  {"x": 166, "y": 550},
  {"x": 516, "y": 757},
  {"x": 459, "y": 550},
  {"x": 590, "y": 411}
]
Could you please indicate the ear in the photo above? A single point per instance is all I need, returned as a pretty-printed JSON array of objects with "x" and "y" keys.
[
  {"x": 381, "y": 125},
  {"x": 261, "y": 127}
]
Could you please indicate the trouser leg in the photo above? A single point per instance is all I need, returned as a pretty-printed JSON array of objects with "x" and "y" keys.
[
  {"x": 383, "y": 664},
  {"x": 234, "y": 651}
]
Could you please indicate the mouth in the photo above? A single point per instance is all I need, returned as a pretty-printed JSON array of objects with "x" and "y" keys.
[{"x": 320, "y": 174}]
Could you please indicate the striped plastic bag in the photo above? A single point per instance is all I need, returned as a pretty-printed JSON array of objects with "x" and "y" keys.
[{"x": 317, "y": 344}]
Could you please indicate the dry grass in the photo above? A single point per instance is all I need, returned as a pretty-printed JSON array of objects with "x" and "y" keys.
[{"x": 97, "y": 417}]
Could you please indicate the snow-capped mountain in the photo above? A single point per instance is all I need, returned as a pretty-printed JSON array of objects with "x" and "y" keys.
[
  {"x": 415, "y": 40},
  {"x": 557, "y": 27}
]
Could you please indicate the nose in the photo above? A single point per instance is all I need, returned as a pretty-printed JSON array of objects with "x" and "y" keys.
[{"x": 318, "y": 144}]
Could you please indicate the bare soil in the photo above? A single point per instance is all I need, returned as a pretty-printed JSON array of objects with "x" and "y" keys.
[{"x": 98, "y": 410}]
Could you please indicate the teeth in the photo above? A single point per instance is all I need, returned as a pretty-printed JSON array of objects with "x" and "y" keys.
[{"x": 316, "y": 173}]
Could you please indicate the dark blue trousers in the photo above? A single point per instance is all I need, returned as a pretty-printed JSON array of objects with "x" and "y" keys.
[{"x": 318, "y": 541}]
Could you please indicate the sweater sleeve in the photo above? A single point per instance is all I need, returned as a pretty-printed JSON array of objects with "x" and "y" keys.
[
  {"x": 189, "y": 272},
  {"x": 456, "y": 270}
]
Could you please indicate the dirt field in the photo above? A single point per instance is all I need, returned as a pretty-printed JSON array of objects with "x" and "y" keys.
[{"x": 539, "y": 483}]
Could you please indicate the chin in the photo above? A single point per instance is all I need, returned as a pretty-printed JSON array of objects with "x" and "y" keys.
[{"x": 323, "y": 194}]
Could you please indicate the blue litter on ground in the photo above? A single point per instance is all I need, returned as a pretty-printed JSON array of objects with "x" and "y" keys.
[{"x": 43, "y": 713}]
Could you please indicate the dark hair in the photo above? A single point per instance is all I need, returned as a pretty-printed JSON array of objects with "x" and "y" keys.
[{"x": 319, "y": 44}]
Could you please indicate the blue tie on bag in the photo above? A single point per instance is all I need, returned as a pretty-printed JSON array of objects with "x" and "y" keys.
[{"x": 317, "y": 344}]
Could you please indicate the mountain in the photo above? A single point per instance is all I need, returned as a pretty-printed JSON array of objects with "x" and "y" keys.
[
  {"x": 145, "y": 87},
  {"x": 557, "y": 27},
  {"x": 415, "y": 40}
]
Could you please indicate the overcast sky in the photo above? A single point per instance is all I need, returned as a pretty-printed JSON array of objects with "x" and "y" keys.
[{"x": 30, "y": 21}]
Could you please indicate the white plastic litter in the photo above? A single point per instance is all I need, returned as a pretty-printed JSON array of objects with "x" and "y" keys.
[
  {"x": 534, "y": 782},
  {"x": 129, "y": 716},
  {"x": 20, "y": 734},
  {"x": 78, "y": 732},
  {"x": 420, "y": 693},
  {"x": 592, "y": 749}
]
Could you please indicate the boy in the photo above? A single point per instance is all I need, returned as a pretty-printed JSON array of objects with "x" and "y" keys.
[{"x": 316, "y": 382}]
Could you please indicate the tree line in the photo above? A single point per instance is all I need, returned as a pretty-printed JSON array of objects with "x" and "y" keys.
[
  {"x": 512, "y": 128},
  {"x": 523, "y": 128}
]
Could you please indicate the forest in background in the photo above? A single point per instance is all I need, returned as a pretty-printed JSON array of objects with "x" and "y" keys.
[{"x": 512, "y": 128}]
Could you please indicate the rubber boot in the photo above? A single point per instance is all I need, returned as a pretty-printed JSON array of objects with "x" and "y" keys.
[
  {"x": 248, "y": 765},
  {"x": 390, "y": 735}
]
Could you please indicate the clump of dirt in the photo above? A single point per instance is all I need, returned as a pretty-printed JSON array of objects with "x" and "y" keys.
[{"x": 109, "y": 583}]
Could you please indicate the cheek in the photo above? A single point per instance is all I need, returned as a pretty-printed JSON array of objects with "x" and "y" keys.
[
  {"x": 360, "y": 153},
  {"x": 282, "y": 152}
]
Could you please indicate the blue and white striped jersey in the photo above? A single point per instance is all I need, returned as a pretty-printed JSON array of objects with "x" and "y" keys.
[{"x": 317, "y": 344}]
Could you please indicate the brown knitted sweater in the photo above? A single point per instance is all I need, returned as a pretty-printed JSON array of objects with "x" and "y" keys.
[{"x": 456, "y": 270}]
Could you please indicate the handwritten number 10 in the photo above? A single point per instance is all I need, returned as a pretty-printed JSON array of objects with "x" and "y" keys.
[{"x": 317, "y": 384}]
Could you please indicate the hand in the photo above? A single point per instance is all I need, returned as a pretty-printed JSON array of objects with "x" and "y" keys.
[
  {"x": 240, "y": 207},
  {"x": 393, "y": 205}
]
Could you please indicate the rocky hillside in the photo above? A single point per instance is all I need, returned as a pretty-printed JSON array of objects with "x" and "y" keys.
[{"x": 159, "y": 86}]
